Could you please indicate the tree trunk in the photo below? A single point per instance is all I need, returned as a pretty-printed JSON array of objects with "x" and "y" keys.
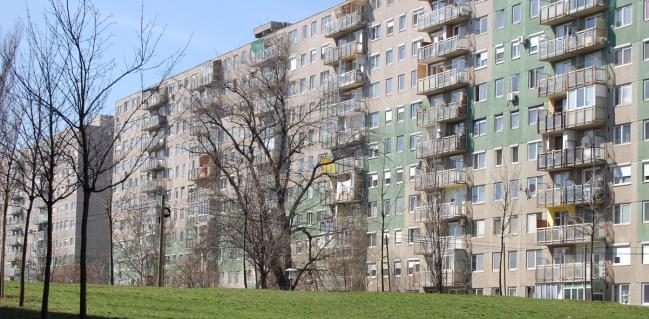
[
  {"x": 23, "y": 260},
  {"x": 243, "y": 259},
  {"x": 112, "y": 247},
  {"x": 382, "y": 246},
  {"x": 83, "y": 256},
  {"x": 5, "y": 208},
  {"x": 48, "y": 261},
  {"x": 501, "y": 274}
]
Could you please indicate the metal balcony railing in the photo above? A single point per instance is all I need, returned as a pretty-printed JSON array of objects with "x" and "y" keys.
[
  {"x": 453, "y": 13},
  {"x": 443, "y": 146},
  {"x": 441, "y": 212},
  {"x": 153, "y": 122},
  {"x": 153, "y": 186},
  {"x": 564, "y": 10},
  {"x": 351, "y": 80},
  {"x": 568, "y": 234},
  {"x": 152, "y": 164},
  {"x": 349, "y": 23},
  {"x": 569, "y": 272},
  {"x": 343, "y": 138},
  {"x": 429, "y": 246},
  {"x": 344, "y": 166},
  {"x": 444, "y": 49},
  {"x": 560, "y": 84},
  {"x": 430, "y": 116},
  {"x": 350, "y": 106},
  {"x": 441, "y": 82},
  {"x": 153, "y": 142},
  {"x": 440, "y": 179},
  {"x": 450, "y": 278},
  {"x": 571, "y": 195},
  {"x": 581, "y": 156},
  {"x": 344, "y": 196},
  {"x": 580, "y": 118},
  {"x": 347, "y": 51},
  {"x": 207, "y": 172},
  {"x": 155, "y": 100},
  {"x": 582, "y": 42}
]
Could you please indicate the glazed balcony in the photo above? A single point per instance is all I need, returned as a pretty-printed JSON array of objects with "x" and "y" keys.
[
  {"x": 155, "y": 101},
  {"x": 152, "y": 143},
  {"x": 207, "y": 172},
  {"x": 344, "y": 138},
  {"x": 346, "y": 24},
  {"x": 442, "y": 212},
  {"x": 575, "y": 119},
  {"x": 351, "y": 80},
  {"x": 344, "y": 196},
  {"x": 442, "y": 82},
  {"x": 565, "y": 10},
  {"x": 443, "y": 146},
  {"x": 431, "y": 116},
  {"x": 153, "y": 122},
  {"x": 569, "y": 272},
  {"x": 451, "y": 14},
  {"x": 428, "y": 247},
  {"x": 582, "y": 42},
  {"x": 154, "y": 186},
  {"x": 568, "y": 235},
  {"x": 570, "y": 195},
  {"x": 154, "y": 164},
  {"x": 431, "y": 181},
  {"x": 444, "y": 49},
  {"x": 570, "y": 158},
  {"x": 348, "y": 51},
  {"x": 558, "y": 86}
]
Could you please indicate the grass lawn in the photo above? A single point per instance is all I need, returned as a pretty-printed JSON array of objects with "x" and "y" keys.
[{"x": 131, "y": 302}]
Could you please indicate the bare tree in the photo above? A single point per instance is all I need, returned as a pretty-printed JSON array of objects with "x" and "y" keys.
[{"x": 508, "y": 207}]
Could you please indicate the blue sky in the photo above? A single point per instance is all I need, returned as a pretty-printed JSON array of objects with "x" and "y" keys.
[{"x": 214, "y": 27}]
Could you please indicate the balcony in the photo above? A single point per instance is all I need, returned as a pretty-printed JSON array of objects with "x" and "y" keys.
[
  {"x": 344, "y": 167},
  {"x": 450, "y": 278},
  {"x": 440, "y": 179},
  {"x": 154, "y": 164},
  {"x": 348, "y": 51},
  {"x": 343, "y": 196},
  {"x": 344, "y": 138},
  {"x": 441, "y": 212},
  {"x": 346, "y": 24},
  {"x": 151, "y": 143},
  {"x": 585, "y": 194},
  {"x": 582, "y": 42},
  {"x": 558, "y": 86},
  {"x": 569, "y": 158},
  {"x": 444, "y": 49},
  {"x": 206, "y": 172},
  {"x": 566, "y": 10},
  {"x": 199, "y": 196},
  {"x": 265, "y": 55},
  {"x": 211, "y": 76},
  {"x": 444, "y": 146},
  {"x": 17, "y": 212},
  {"x": 350, "y": 106},
  {"x": 430, "y": 116},
  {"x": 351, "y": 80},
  {"x": 442, "y": 82},
  {"x": 449, "y": 243},
  {"x": 575, "y": 119},
  {"x": 568, "y": 234},
  {"x": 154, "y": 101},
  {"x": 451, "y": 14},
  {"x": 154, "y": 122},
  {"x": 569, "y": 272},
  {"x": 154, "y": 186},
  {"x": 15, "y": 241}
]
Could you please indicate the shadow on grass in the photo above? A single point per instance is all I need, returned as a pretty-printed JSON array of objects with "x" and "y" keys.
[{"x": 16, "y": 313}]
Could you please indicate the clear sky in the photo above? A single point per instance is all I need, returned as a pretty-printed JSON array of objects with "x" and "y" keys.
[{"x": 214, "y": 27}]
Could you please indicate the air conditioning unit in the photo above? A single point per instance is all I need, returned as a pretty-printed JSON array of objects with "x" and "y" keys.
[
  {"x": 511, "y": 97},
  {"x": 520, "y": 39}
]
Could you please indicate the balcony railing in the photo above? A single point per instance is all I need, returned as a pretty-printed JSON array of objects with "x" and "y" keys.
[
  {"x": 153, "y": 186},
  {"x": 582, "y": 42},
  {"x": 353, "y": 105},
  {"x": 344, "y": 166},
  {"x": 565, "y": 10},
  {"x": 440, "y": 179},
  {"x": 581, "y": 118},
  {"x": 154, "y": 101},
  {"x": 450, "y": 278},
  {"x": 17, "y": 211},
  {"x": 207, "y": 172},
  {"x": 571, "y": 195},
  {"x": 443, "y": 146},
  {"x": 571, "y": 158},
  {"x": 343, "y": 138},
  {"x": 441, "y": 212},
  {"x": 153, "y": 122},
  {"x": 430, "y": 116},
  {"x": 451, "y": 14},
  {"x": 153, "y": 142},
  {"x": 569, "y": 234},
  {"x": 560, "y": 84},
  {"x": 441, "y": 82},
  {"x": 265, "y": 55},
  {"x": 346, "y": 24},
  {"x": 570, "y": 272},
  {"x": 444, "y": 49},
  {"x": 347, "y": 51},
  {"x": 152, "y": 164},
  {"x": 344, "y": 196},
  {"x": 199, "y": 196},
  {"x": 350, "y": 80},
  {"x": 444, "y": 244}
]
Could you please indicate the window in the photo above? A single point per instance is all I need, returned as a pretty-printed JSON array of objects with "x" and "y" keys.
[
  {"x": 513, "y": 151},
  {"x": 413, "y": 78},
  {"x": 645, "y": 254},
  {"x": 387, "y": 146},
  {"x": 646, "y": 130},
  {"x": 498, "y": 154},
  {"x": 374, "y": 61},
  {"x": 414, "y": 108},
  {"x": 480, "y": 25},
  {"x": 622, "y": 55},
  {"x": 373, "y": 210},
  {"x": 622, "y": 175},
  {"x": 303, "y": 59},
  {"x": 292, "y": 37},
  {"x": 314, "y": 28},
  {"x": 479, "y": 160},
  {"x": 374, "y": 120},
  {"x": 480, "y": 93},
  {"x": 388, "y": 117},
  {"x": 500, "y": 54},
  {"x": 375, "y": 32},
  {"x": 388, "y": 86},
  {"x": 516, "y": 49},
  {"x": 481, "y": 59},
  {"x": 478, "y": 194},
  {"x": 533, "y": 115},
  {"x": 515, "y": 83},
  {"x": 514, "y": 120},
  {"x": 621, "y": 293},
  {"x": 371, "y": 269},
  {"x": 413, "y": 202},
  {"x": 498, "y": 123},
  {"x": 533, "y": 257},
  {"x": 477, "y": 263},
  {"x": 413, "y": 142},
  {"x": 314, "y": 56},
  {"x": 387, "y": 179},
  {"x": 645, "y": 172},
  {"x": 623, "y": 16},
  {"x": 292, "y": 63},
  {"x": 622, "y": 134},
  {"x": 403, "y": 22},
  {"x": 401, "y": 51},
  {"x": 500, "y": 87},
  {"x": 623, "y": 95},
  {"x": 533, "y": 77},
  {"x": 645, "y": 287},
  {"x": 480, "y": 127},
  {"x": 413, "y": 235},
  {"x": 512, "y": 260},
  {"x": 374, "y": 90},
  {"x": 622, "y": 255},
  {"x": 645, "y": 90},
  {"x": 401, "y": 144},
  {"x": 516, "y": 13},
  {"x": 477, "y": 229},
  {"x": 373, "y": 150},
  {"x": 622, "y": 214},
  {"x": 534, "y": 8},
  {"x": 415, "y": 16},
  {"x": 500, "y": 19},
  {"x": 389, "y": 27},
  {"x": 534, "y": 44},
  {"x": 532, "y": 150},
  {"x": 413, "y": 267},
  {"x": 645, "y": 212},
  {"x": 495, "y": 261},
  {"x": 533, "y": 184},
  {"x": 389, "y": 57},
  {"x": 414, "y": 47},
  {"x": 646, "y": 10},
  {"x": 312, "y": 84},
  {"x": 497, "y": 226},
  {"x": 498, "y": 191},
  {"x": 397, "y": 267},
  {"x": 401, "y": 82},
  {"x": 398, "y": 238}
]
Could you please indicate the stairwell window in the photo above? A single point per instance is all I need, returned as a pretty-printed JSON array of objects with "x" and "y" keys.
[
  {"x": 375, "y": 32},
  {"x": 645, "y": 90}
]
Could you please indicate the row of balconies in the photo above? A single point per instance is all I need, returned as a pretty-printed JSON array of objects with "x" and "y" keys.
[
  {"x": 565, "y": 10},
  {"x": 582, "y": 156},
  {"x": 586, "y": 194},
  {"x": 442, "y": 212},
  {"x": 559, "y": 85},
  {"x": 569, "y": 234},
  {"x": 444, "y": 49},
  {"x": 430, "y": 181},
  {"x": 345, "y": 52},
  {"x": 443, "y": 146},
  {"x": 569, "y": 272},
  {"x": 437, "y": 19},
  {"x": 580, "y": 118},
  {"x": 431, "y": 116},
  {"x": 443, "y": 81},
  {"x": 565, "y": 47}
]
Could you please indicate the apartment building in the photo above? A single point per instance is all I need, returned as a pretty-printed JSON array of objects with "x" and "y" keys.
[
  {"x": 66, "y": 226},
  {"x": 456, "y": 106}
]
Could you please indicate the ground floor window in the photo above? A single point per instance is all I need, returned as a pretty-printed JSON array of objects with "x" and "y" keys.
[{"x": 621, "y": 293}]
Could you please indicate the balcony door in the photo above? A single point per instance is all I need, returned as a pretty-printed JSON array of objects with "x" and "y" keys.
[{"x": 563, "y": 30}]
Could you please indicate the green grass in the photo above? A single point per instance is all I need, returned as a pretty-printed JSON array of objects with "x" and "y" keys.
[{"x": 131, "y": 302}]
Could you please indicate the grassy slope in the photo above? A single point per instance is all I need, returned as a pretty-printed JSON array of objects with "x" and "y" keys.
[{"x": 121, "y": 302}]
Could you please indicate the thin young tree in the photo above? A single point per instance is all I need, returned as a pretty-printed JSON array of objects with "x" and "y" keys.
[{"x": 508, "y": 207}]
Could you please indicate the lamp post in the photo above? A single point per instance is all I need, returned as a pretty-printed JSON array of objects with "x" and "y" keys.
[
  {"x": 165, "y": 212},
  {"x": 291, "y": 273}
]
